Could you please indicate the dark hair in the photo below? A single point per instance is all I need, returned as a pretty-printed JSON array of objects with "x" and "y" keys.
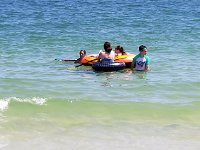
[
  {"x": 84, "y": 51},
  {"x": 142, "y": 47},
  {"x": 121, "y": 49},
  {"x": 107, "y": 47}
]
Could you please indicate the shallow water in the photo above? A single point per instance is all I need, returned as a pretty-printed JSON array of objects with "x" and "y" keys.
[{"x": 49, "y": 104}]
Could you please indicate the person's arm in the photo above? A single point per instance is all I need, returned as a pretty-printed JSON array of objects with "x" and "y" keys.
[
  {"x": 77, "y": 61},
  {"x": 133, "y": 64},
  {"x": 99, "y": 56},
  {"x": 112, "y": 55},
  {"x": 147, "y": 66}
]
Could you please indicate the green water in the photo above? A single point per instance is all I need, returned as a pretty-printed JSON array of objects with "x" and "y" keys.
[
  {"x": 87, "y": 124},
  {"x": 105, "y": 111}
]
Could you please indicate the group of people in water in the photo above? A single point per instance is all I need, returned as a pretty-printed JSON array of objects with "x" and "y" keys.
[{"x": 140, "y": 61}]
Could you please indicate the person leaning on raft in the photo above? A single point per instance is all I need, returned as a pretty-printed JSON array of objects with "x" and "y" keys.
[
  {"x": 119, "y": 51},
  {"x": 141, "y": 61},
  {"x": 107, "y": 54},
  {"x": 82, "y": 54}
]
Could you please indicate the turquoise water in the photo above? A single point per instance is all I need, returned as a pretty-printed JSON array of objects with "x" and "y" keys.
[{"x": 49, "y": 104}]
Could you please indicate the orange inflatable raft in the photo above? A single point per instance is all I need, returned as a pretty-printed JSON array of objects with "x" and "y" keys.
[{"x": 90, "y": 59}]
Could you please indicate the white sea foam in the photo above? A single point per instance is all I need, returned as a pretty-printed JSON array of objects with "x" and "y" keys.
[
  {"x": 4, "y": 103},
  {"x": 34, "y": 100},
  {"x": 38, "y": 100}
]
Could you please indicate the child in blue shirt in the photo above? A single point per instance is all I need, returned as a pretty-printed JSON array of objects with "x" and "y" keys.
[{"x": 141, "y": 61}]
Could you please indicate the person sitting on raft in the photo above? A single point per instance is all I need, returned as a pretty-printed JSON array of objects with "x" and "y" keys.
[
  {"x": 119, "y": 51},
  {"x": 107, "y": 54},
  {"x": 82, "y": 54}
]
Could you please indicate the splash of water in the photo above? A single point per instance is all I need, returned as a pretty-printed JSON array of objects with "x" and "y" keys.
[{"x": 4, "y": 103}]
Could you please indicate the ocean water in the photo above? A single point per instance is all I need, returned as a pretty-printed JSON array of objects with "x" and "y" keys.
[{"x": 49, "y": 104}]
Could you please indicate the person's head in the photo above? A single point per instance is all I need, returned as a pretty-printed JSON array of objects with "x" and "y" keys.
[
  {"x": 119, "y": 49},
  {"x": 82, "y": 53},
  {"x": 107, "y": 47},
  {"x": 143, "y": 50}
]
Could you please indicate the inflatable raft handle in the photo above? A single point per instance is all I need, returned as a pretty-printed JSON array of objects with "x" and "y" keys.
[
  {"x": 87, "y": 62},
  {"x": 116, "y": 58},
  {"x": 120, "y": 57}
]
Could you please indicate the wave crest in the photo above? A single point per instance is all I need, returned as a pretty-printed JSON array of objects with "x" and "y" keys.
[{"x": 34, "y": 100}]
